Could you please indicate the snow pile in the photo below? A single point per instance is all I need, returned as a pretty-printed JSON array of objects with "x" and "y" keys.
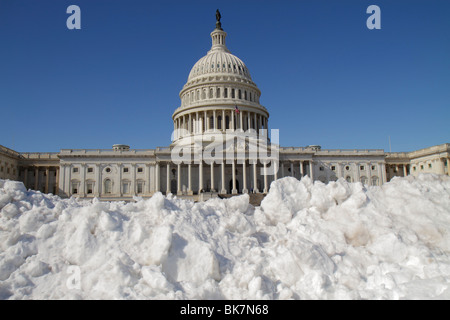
[{"x": 306, "y": 241}]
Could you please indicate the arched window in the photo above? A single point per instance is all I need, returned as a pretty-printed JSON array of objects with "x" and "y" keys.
[
  {"x": 108, "y": 186},
  {"x": 245, "y": 95},
  {"x": 364, "y": 180},
  {"x": 219, "y": 122},
  {"x": 210, "y": 93},
  {"x": 239, "y": 94},
  {"x": 232, "y": 93},
  {"x": 211, "y": 122},
  {"x": 225, "y": 93},
  {"x": 374, "y": 181},
  {"x": 218, "y": 93},
  {"x": 227, "y": 122}
]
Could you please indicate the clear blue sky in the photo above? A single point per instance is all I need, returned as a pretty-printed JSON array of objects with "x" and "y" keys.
[{"x": 325, "y": 77}]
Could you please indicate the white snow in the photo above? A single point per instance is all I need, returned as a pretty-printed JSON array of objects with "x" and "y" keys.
[{"x": 306, "y": 241}]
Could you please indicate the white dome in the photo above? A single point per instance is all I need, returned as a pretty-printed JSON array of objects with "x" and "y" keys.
[{"x": 218, "y": 62}]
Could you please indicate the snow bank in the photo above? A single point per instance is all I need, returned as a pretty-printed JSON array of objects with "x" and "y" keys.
[{"x": 306, "y": 241}]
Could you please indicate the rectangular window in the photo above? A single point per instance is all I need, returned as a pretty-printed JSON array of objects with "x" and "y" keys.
[
  {"x": 140, "y": 170},
  {"x": 140, "y": 187},
  {"x": 74, "y": 188},
  {"x": 361, "y": 167},
  {"x": 333, "y": 168},
  {"x": 90, "y": 187},
  {"x": 321, "y": 168},
  {"x": 421, "y": 167},
  {"x": 75, "y": 170},
  {"x": 429, "y": 165},
  {"x": 373, "y": 168},
  {"x": 125, "y": 188},
  {"x": 90, "y": 170},
  {"x": 125, "y": 170}
]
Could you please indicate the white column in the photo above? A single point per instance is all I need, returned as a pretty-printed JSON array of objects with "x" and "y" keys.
[
  {"x": 311, "y": 170},
  {"x": 265, "y": 177},
  {"x": 223, "y": 120},
  {"x": 292, "y": 169},
  {"x": 189, "y": 180},
  {"x": 275, "y": 176},
  {"x": 301, "y": 169},
  {"x": 241, "y": 121},
  {"x": 47, "y": 173},
  {"x": 206, "y": 120},
  {"x": 179, "y": 192},
  {"x": 233, "y": 174},
  {"x": 224, "y": 190},
  {"x": 212, "y": 177},
  {"x": 190, "y": 123},
  {"x": 405, "y": 171},
  {"x": 215, "y": 120},
  {"x": 133, "y": 179},
  {"x": 232, "y": 119},
  {"x": 255, "y": 180},
  {"x": 196, "y": 129},
  {"x": 157, "y": 178},
  {"x": 200, "y": 177},
  {"x": 168, "y": 178},
  {"x": 244, "y": 177},
  {"x": 98, "y": 183}
]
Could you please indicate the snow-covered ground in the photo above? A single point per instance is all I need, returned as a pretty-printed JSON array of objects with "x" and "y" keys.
[{"x": 305, "y": 241}]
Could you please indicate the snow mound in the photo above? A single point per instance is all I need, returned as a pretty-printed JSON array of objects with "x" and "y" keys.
[{"x": 306, "y": 241}]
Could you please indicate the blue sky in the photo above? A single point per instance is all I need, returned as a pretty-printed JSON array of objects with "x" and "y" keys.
[{"x": 325, "y": 77}]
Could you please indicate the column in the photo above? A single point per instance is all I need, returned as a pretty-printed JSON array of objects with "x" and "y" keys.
[
  {"x": 405, "y": 171},
  {"x": 265, "y": 177},
  {"x": 244, "y": 177},
  {"x": 292, "y": 169},
  {"x": 190, "y": 123},
  {"x": 133, "y": 179},
  {"x": 275, "y": 176},
  {"x": 189, "y": 191},
  {"x": 36, "y": 179},
  {"x": 215, "y": 120},
  {"x": 47, "y": 173},
  {"x": 301, "y": 169},
  {"x": 339, "y": 170},
  {"x": 179, "y": 191},
  {"x": 120, "y": 179},
  {"x": 212, "y": 176},
  {"x": 441, "y": 166},
  {"x": 232, "y": 119},
  {"x": 206, "y": 120},
  {"x": 148, "y": 187},
  {"x": 383, "y": 173},
  {"x": 311, "y": 170},
  {"x": 168, "y": 178},
  {"x": 57, "y": 181},
  {"x": 282, "y": 169},
  {"x": 196, "y": 123},
  {"x": 25, "y": 178},
  {"x": 98, "y": 181},
  {"x": 233, "y": 169},
  {"x": 248, "y": 121},
  {"x": 255, "y": 180},
  {"x": 241, "y": 121},
  {"x": 157, "y": 177},
  {"x": 200, "y": 177},
  {"x": 223, "y": 120},
  {"x": 256, "y": 123},
  {"x": 224, "y": 190}
]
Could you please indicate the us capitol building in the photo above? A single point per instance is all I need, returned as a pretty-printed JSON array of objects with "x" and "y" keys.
[{"x": 218, "y": 99}]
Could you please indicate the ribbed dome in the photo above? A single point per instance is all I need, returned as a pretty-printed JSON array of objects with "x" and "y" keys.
[{"x": 219, "y": 62}]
